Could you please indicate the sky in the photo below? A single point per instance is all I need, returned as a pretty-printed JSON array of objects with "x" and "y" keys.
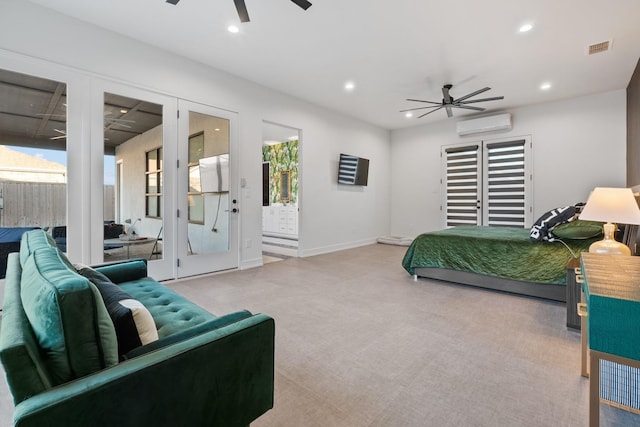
[{"x": 59, "y": 156}]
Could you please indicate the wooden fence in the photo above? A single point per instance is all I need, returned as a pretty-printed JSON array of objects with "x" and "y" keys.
[{"x": 41, "y": 204}]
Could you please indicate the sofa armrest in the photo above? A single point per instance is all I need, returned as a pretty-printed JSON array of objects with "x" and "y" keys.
[
  {"x": 123, "y": 271},
  {"x": 210, "y": 325},
  {"x": 222, "y": 377}
]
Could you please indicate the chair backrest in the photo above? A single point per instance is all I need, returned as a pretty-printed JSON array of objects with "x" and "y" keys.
[
  {"x": 112, "y": 231},
  {"x": 59, "y": 231}
]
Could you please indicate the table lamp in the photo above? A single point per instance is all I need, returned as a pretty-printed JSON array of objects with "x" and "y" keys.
[{"x": 611, "y": 205}]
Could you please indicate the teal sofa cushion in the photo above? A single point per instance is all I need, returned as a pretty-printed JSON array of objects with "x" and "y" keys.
[
  {"x": 68, "y": 317},
  {"x": 19, "y": 351},
  {"x": 36, "y": 239},
  {"x": 171, "y": 312}
]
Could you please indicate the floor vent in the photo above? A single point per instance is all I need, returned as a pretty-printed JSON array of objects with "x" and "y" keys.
[{"x": 599, "y": 47}]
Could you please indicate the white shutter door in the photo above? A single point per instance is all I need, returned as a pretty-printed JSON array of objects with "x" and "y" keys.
[
  {"x": 506, "y": 179},
  {"x": 461, "y": 185}
]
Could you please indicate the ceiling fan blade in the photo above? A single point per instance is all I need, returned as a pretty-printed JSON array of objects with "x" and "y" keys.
[
  {"x": 242, "y": 10},
  {"x": 446, "y": 98},
  {"x": 449, "y": 112},
  {"x": 467, "y": 107},
  {"x": 495, "y": 98},
  {"x": 469, "y": 95},
  {"x": 429, "y": 112},
  {"x": 428, "y": 102},
  {"x": 421, "y": 108},
  {"x": 302, "y": 3},
  {"x": 174, "y": 2}
]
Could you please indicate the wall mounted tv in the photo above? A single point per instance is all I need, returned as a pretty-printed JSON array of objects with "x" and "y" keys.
[{"x": 353, "y": 170}]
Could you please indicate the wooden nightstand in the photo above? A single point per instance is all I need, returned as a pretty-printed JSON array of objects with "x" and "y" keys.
[{"x": 574, "y": 289}]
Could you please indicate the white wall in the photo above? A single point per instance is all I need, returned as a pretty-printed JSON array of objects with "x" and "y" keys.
[
  {"x": 330, "y": 217},
  {"x": 578, "y": 144},
  {"x": 132, "y": 154}
]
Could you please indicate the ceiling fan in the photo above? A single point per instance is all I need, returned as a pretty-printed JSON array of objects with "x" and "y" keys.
[
  {"x": 63, "y": 134},
  {"x": 241, "y": 7},
  {"x": 448, "y": 102}
]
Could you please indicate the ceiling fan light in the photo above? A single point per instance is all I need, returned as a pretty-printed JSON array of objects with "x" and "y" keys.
[{"x": 408, "y": 114}]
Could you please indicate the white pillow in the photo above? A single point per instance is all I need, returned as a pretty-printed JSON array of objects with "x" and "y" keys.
[{"x": 143, "y": 320}]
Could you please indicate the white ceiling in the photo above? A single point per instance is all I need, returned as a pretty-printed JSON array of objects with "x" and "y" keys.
[{"x": 392, "y": 50}]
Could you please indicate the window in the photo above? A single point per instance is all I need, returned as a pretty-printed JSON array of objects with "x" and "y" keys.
[
  {"x": 488, "y": 183},
  {"x": 195, "y": 194},
  {"x": 153, "y": 177}
]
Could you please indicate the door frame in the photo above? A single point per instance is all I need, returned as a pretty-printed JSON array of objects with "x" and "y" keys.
[
  {"x": 187, "y": 262},
  {"x": 299, "y": 220}
]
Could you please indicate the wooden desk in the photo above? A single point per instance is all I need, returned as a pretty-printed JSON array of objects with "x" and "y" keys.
[{"x": 612, "y": 296}]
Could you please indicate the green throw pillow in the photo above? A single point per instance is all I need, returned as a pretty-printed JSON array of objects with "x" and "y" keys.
[
  {"x": 578, "y": 230},
  {"x": 67, "y": 316}
]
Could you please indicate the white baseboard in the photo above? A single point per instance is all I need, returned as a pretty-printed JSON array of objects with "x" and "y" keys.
[
  {"x": 338, "y": 247},
  {"x": 251, "y": 263}
]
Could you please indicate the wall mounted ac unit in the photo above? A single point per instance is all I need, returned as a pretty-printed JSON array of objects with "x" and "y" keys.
[{"x": 484, "y": 124}]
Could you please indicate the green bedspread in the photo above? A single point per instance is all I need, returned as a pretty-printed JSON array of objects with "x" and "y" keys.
[{"x": 494, "y": 251}]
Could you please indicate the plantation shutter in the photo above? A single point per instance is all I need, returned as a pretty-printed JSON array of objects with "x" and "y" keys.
[
  {"x": 487, "y": 183},
  {"x": 462, "y": 186},
  {"x": 505, "y": 184}
]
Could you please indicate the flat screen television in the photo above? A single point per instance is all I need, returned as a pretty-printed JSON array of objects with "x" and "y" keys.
[{"x": 353, "y": 170}]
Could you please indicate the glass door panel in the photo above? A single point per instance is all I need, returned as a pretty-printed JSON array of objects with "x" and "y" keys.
[
  {"x": 33, "y": 155},
  {"x": 133, "y": 179},
  {"x": 208, "y": 229}
]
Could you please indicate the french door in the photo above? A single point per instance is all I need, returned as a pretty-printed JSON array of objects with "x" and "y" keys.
[
  {"x": 172, "y": 163},
  {"x": 487, "y": 183},
  {"x": 207, "y": 199}
]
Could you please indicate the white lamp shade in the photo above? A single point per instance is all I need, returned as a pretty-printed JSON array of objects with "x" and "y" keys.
[{"x": 617, "y": 205}]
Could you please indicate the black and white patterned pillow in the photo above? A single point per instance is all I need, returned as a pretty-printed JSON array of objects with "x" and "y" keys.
[{"x": 540, "y": 229}]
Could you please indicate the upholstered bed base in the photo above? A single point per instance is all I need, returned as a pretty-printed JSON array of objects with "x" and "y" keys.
[{"x": 539, "y": 290}]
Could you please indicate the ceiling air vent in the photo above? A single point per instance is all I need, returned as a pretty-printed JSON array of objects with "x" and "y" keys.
[{"x": 599, "y": 47}]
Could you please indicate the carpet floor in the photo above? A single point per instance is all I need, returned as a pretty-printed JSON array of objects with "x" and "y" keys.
[{"x": 360, "y": 343}]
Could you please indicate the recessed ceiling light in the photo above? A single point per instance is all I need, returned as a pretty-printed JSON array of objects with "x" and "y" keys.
[
  {"x": 408, "y": 115},
  {"x": 545, "y": 86},
  {"x": 123, "y": 111},
  {"x": 525, "y": 28},
  {"x": 233, "y": 29},
  {"x": 217, "y": 129},
  {"x": 349, "y": 86}
]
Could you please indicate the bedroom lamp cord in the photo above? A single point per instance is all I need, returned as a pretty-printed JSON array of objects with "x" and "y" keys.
[{"x": 565, "y": 245}]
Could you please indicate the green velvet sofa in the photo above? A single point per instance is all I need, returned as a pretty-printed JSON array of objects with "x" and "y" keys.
[{"x": 60, "y": 350}]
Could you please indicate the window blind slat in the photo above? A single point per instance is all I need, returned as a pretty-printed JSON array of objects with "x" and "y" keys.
[{"x": 506, "y": 182}]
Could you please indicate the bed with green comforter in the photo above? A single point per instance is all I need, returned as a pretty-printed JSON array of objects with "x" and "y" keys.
[{"x": 495, "y": 257}]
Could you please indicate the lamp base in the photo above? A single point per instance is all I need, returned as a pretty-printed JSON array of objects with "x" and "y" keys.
[{"x": 609, "y": 245}]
